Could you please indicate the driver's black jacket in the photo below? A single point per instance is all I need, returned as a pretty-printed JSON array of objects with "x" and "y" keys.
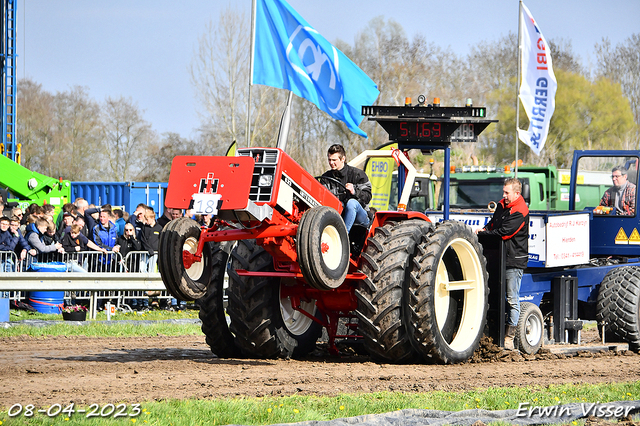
[{"x": 353, "y": 175}]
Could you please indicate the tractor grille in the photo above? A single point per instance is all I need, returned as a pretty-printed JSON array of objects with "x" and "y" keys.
[{"x": 266, "y": 161}]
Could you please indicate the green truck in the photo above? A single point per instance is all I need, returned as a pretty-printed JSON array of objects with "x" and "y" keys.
[
  {"x": 544, "y": 188},
  {"x": 475, "y": 187},
  {"x": 21, "y": 185}
]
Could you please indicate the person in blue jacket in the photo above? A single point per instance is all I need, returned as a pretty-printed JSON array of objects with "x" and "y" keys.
[{"x": 105, "y": 235}]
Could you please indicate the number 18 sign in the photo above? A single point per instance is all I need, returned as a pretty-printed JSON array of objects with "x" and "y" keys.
[{"x": 206, "y": 203}]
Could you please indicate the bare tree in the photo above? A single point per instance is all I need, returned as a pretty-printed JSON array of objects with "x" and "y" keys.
[
  {"x": 59, "y": 133},
  {"x": 622, "y": 65},
  {"x": 35, "y": 126},
  {"x": 128, "y": 137},
  {"x": 78, "y": 134},
  {"x": 160, "y": 155},
  {"x": 219, "y": 73}
]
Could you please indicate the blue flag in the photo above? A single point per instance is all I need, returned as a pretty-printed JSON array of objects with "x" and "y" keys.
[{"x": 291, "y": 55}]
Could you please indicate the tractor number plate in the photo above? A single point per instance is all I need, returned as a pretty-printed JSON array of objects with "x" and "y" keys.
[{"x": 206, "y": 203}]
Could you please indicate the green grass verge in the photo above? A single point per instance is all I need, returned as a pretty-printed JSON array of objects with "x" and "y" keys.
[
  {"x": 101, "y": 328},
  {"x": 269, "y": 410}
]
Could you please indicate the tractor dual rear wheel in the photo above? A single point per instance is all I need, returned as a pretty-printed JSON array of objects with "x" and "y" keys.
[
  {"x": 618, "y": 306},
  {"x": 387, "y": 261},
  {"x": 212, "y": 312},
  {"x": 264, "y": 323},
  {"x": 447, "y": 295}
]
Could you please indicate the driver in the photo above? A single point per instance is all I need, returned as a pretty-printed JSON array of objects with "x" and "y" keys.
[
  {"x": 622, "y": 195},
  {"x": 356, "y": 181}
]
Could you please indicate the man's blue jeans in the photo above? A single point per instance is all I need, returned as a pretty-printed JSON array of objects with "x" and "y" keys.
[
  {"x": 7, "y": 266},
  {"x": 513, "y": 279},
  {"x": 355, "y": 213}
]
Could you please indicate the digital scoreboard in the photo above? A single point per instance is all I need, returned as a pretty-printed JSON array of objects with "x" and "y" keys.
[{"x": 421, "y": 125}]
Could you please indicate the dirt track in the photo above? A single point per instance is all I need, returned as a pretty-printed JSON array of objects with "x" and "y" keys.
[{"x": 100, "y": 370}]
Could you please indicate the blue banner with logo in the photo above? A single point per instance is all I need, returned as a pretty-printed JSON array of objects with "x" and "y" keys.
[{"x": 290, "y": 54}]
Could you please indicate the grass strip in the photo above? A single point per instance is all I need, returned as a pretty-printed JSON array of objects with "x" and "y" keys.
[
  {"x": 132, "y": 324},
  {"x": 270, "y": 410}
]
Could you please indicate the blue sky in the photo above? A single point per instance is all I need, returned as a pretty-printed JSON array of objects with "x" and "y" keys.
[{"x": 142, "y": 48}]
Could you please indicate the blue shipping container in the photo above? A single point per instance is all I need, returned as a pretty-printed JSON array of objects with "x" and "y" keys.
[{"x": 127, "y": 194}]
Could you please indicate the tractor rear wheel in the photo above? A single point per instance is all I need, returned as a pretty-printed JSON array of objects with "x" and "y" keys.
[
  {"x": 618, "y": 305},
  {"x": 387, "y": 261},
  {"x": 185, "y": 277},
  {"x": 530, "y": 329},
  {"x": 323, "y": 248},
  {"x": 212, "y": 312},
  {"x": 303, "y": 329},
  {"x": 447, "y": 296},
  {"x": 264, "y": 325}
]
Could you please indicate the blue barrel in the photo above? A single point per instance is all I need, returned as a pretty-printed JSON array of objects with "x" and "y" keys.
[
  {"x": 47, "y": 302},
  {"x": 4, "y": 306}
]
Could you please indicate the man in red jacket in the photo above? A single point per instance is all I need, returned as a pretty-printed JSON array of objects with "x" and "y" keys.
[{"x": 511, "y": 222}]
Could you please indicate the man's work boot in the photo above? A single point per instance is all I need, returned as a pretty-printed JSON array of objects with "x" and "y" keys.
[{"x": 509, "y": 334}]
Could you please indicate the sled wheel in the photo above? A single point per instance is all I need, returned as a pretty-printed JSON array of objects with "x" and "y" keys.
[
  {"x": 254, "y": 305},
  {"x": 212, "y": 312},
  {"x": 323, "y": 249},
  {"x": 618, "y": 306},
  {"x": 184, "y": 277},
  {"x": 447, "y": 295},
  {"x": 303, "y": 329},
  {"x": 530, "y": 329},
  {"x": 387, "y": 261}
]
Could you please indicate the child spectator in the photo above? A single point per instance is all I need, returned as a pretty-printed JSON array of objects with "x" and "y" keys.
[
  {"x": 67, "y": 220},
  {"x": 126, "y": 244},
  {"x": 35, "y": 235},
  {"x": 21, "y": 246},
  {"x": 150, "y": 238},
  {"x": 120, "y": 221},
  {"x": 6, "y": 259}
]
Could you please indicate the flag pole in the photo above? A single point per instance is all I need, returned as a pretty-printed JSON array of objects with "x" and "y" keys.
[
  {"x": 283, "y": 132},
  {"x": 253, "y": 42},
  {"x": 518, "y": 82}
]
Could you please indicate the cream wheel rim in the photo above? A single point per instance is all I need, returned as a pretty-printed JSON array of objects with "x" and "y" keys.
[
  {"x": 197, "y": 268},
  {"x": 331, "y": 247},
  {"x": 296, "y": 322},
  {"x": 472, "y": 283}
]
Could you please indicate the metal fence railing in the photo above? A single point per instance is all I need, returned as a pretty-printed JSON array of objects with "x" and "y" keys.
[
  {"x": 103, "y": 265},
  {"x": 9, "y": 262}
]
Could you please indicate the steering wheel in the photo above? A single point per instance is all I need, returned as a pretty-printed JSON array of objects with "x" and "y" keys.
[{"x": 341, "y": 188}]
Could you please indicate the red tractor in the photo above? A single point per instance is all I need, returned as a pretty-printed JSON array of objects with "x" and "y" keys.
[{"x": 408, "y": 288}]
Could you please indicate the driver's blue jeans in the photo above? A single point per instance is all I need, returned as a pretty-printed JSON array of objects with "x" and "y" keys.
[{"x": 355, "y": 213}]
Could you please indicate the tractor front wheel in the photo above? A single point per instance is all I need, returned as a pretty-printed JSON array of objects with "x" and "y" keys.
[
  {"x": 186, "y": 277},
  {"x": 323, "y": 248}
]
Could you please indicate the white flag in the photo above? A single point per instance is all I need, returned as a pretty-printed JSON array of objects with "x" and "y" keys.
[{"x": 538, "y": 88}]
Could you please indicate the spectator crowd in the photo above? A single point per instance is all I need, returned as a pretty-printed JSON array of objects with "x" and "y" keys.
[{"x": 84, "y": 238}]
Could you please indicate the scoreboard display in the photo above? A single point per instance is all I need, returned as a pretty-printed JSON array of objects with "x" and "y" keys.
[{"x": 416, "y": 126}]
